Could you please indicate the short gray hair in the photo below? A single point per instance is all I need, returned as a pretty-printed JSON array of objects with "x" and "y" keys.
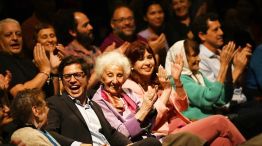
[
  {"x": 6, "y": 20},
  {"x": 112, "y": 58}
]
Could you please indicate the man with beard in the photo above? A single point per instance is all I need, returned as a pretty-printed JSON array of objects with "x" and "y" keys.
[
  {"x": 76, "y": 33},
  {"x": 82, "y": 34}
]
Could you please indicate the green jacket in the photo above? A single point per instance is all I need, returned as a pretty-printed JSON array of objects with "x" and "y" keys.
[{"x": 205, "y": 99}]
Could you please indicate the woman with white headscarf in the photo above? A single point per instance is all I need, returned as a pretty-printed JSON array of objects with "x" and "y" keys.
[{"x": 205, "y": 96}]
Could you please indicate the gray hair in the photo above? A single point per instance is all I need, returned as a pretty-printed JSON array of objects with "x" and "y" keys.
[
  {"x": 7, "y": 20},
  {"x": 112, "y": 58}
]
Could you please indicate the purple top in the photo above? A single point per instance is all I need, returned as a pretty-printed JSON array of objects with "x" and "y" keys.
[{"x": 128, "y": 124}]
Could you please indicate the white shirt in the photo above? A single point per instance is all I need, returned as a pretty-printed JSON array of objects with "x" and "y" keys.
[{"x": 93, "y": 124}]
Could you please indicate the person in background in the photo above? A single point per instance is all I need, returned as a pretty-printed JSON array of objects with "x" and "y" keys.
[
  {"x": 154, "y": 15},
  {"x": 5, "y": 117},
  {"x": 45, "y": 36},
  {"x": 123, "y": 25},
  {"x": 25, "y": 73},
  {"x": 29, "y": 111}
]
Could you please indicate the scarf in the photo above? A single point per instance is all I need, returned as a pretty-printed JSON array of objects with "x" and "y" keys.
[
  {"x": 176, "y": 49},
  {"x": 117, "y": 103}
]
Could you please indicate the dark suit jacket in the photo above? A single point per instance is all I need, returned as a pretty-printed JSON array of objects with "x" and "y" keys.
[{"x": 67, "y": 125}]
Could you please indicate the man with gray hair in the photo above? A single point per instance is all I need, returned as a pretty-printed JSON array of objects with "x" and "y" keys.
[{"x": 25, "y": 74}]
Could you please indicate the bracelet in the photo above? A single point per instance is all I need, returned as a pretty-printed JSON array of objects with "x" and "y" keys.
[
  {"x": 48, "y": 77},
  {"x": 45, "y": 74}
]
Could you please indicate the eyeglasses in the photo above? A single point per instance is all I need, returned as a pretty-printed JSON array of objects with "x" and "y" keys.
[
  {"x": 121, "y": 20},
  {"x": 77, "y": 76}
]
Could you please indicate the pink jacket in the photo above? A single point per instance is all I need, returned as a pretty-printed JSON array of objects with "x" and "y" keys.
[{"x": 169, "y": 117}]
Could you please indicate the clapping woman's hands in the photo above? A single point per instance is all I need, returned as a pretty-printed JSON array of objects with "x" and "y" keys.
[
  {"x": 162, "y": 77},
  {"x": 149, "y": 99},
  {"x": 177, "y": 67}
]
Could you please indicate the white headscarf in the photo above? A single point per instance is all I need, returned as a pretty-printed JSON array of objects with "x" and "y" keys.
[{"x": 176, "y": 49}]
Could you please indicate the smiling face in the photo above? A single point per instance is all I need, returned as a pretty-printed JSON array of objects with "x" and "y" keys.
[
  {"x": 11, "y": 38},
  {"x": 113, "y": 78},
  {"x": 214, "y": 35},
  {"x": 193, "y": 60},
  {"x": 154, "y": 15},
  {"x": 123, "y": 22},
  {"x": 181, "y": 7},
  {"x": 74, "y": 80},
  {"x": 47, "y": 38},
  {"x": 144, "y": 66}
]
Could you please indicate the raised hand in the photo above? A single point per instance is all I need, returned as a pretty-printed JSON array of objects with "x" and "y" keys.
[
  {"x": 60, "y": 51},
  {"x": 41, "y": 60},
  {"x": 177, "y": 67},
  {"x": 122, "y": 49},
  {"x": 149, "y": 99},
  {"x": 162, "y": 77},
  {"x": 241, "y": 57},
  {"x": 5, "y": 80},
  {"x": 157, "y": 43},
  {"x": 110, "y": 47},
  {"x": 227, "y": 53}
]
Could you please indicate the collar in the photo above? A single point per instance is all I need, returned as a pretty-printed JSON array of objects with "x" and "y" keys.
[
  {"x": 204, "y": 51},
  {"x": 85, "y": 105}
]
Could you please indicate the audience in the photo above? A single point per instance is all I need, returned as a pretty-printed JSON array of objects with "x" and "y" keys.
[
  {"x": 25, "y": 73},
  {"x": 141, "y": 100},
  {"x": 208, "y": 31},
  {"x": 169, "y": 106},
  {"x": 74, "y": 119}
]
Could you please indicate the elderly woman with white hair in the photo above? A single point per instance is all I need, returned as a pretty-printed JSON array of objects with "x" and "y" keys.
[{"x": 121, "y": 107}]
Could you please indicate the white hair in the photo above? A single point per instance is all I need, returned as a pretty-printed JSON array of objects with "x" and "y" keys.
[
  {"x": 7, "y": 20},
  {"x": 112, "y": 58}
]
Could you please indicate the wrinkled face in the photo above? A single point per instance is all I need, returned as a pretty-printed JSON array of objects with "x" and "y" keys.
[
  {"x": 181, "y": 7},
  {"x": 123, "y": 22},
  {"x": 11, "y": 38},
  {"x": 84, "y": 28},
  {"x": 47, "y": 38},
  {"x": 144, "y": 66},
  {"x": 193, "y": 61},
  {"x": 113, "y": 78},
  {"x": 74, "y": 80},
  {"x": 155, "y": 15},
  {"x": 42, "y": 115},
  {"x": 214, "y": 34}
]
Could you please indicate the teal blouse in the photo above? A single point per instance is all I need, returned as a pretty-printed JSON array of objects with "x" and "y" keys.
[{"x": 205, "y": 99}]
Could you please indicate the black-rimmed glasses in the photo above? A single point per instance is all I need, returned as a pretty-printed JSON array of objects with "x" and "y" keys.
[{"x": 77, "y": 76}]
